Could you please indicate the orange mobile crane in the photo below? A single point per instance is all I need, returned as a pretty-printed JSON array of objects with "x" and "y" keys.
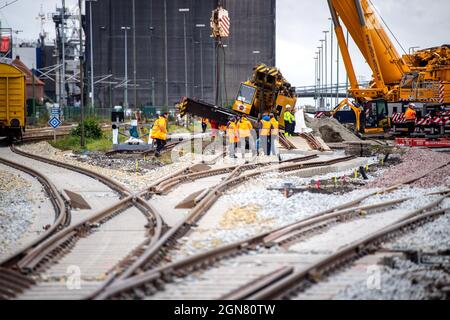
[{"x": 422, "y": 77}]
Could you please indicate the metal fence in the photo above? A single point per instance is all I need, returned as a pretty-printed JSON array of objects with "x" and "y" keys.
[{"x": 71, "y": 114}]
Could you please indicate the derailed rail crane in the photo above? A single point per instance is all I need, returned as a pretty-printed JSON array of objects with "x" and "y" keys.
[
  {"x": 267, "y": 91},
  {"x": 422, "y": 77}
]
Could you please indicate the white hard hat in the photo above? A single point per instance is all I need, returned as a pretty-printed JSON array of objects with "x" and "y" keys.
[
  {"x": 412, "y": 105},
  {"x": 288, "y": 107}
]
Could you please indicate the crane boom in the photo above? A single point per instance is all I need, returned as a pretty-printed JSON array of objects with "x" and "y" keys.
[{"x": 363, "y": 24}]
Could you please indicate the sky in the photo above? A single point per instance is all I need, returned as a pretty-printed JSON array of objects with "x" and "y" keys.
[{"x": 299, "y": 28}]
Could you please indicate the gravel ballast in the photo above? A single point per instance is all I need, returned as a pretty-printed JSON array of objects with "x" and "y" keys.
[
  {"x": 134, "y": 181},
  {"x": 432, "y": 237},
  {"x": 402, "y": 280},
  {"x": 414, "y": 164},
  {"x": 16, "y": 210}
]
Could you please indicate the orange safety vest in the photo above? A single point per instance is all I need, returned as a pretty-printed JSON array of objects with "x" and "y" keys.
[
  {"x": 265, "y": 130},
  {"x": 232, "y": 132},
  {"x": 245, "y": 127},
  {"x": 275, "y": 126},
  {"x": 410, "y": 115},
  {"x": 159, "y": 129}
]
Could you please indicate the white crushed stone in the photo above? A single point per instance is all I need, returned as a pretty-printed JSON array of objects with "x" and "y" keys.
[
  {"x": 276, "y": 211},
  {"x": 405, "y": 280},
  {"x": 432, "y": 237},
  {"x": 16, "y": 210},
  {"x": 135, "y": 182}
]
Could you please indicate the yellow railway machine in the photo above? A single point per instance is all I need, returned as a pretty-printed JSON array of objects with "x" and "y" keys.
[{"x": 12, "y": 101}]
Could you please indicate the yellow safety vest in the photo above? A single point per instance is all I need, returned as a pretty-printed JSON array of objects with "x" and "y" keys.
[
  {"x": 410, "y": 115},
  {"x": 244, "y": 128},
  {"x": 289, "y": 117},
  {"x": 265, "y": 130},
  {"x": 159, "y": 129},
  {"x": 275, "y": 126}
]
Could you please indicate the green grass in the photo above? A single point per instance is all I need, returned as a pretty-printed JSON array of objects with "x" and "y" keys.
[
  {"x": 73, "y": 143},
  {"x": 105, "y": 143}
]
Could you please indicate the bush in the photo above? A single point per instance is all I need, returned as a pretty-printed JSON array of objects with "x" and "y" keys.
[{"x": 92, "y": 129}]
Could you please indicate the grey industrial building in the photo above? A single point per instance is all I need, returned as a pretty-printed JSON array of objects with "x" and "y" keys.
[{"x": 159, "y": 42}]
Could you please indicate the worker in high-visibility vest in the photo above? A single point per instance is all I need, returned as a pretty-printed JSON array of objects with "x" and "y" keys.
[
  {"x": 264, "y": 134},
  {"x": 289, "y": 122},
  {"x": 204, "y": 124},
  {"x": 274, "y": 134},
  {"x": 233, "y": 136},
  {"x": 411, "y": 117},
  {"x": 159, "y": 133},
  {"x": 245, "y": 136}
]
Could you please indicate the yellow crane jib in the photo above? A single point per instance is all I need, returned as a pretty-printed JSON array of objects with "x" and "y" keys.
[{"x": 422, "y": 76}]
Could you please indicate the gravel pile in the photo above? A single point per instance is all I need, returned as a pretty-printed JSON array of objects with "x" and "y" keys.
[
  {"x": 256, "y": 209},
  {"x": 438, "y": 177},
  {"x": 432, "y": 237},
  {"x": 403, "y": 280},
  {"x": 331, "y": 130},
  {"x": 123, "y": 162},
  {"x": 274, "y": 211},
  {"x": 16, "y": 210},
  {"x": 136, "y": 181},
  {"x": 414, "y": 163}
]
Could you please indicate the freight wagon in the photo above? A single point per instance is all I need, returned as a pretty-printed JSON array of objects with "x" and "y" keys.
[{"x": 12, "y": 101}]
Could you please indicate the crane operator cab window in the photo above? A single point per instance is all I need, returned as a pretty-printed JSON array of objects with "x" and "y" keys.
[
  {"x": 245, "y": 99},
  {"x": 376, "y": 113}
]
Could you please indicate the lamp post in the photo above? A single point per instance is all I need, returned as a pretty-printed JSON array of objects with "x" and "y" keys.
[
  {"x": 326, "y": 67},
  {"x": 316, "y": 59},
  {"x": 321, "y": 72},
  {"x": 337, "y": 72},
  {"x": 63, "y": 48},
  {"x": 331, "y": 58},
  {"x": 166, "y": 67},
  {"x": 125, "y": 94},
  {"x": 200, "y": 27},
  {"x": 83, "y": 138},
  {"x": 152, "y": 78},
  {"x": 134, "y": 54},
  {"x": 91, "y": 52},
  {"x": 184, "y": 11}
]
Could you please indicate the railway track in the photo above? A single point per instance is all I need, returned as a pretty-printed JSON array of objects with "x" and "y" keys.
[
  {"x": 93, "y": 245},
  {"x": 141, "y": 265},
  {"x": 149, "y": 261},
  {"x": 229, "y": 178},
  {"x": 278, "y": 267}
]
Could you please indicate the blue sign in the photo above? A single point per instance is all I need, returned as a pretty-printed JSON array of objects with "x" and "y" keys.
[{"x": 54, "y": 122}]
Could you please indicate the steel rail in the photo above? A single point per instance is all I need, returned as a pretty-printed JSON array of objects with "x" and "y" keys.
[
  {"x": 58, "y": 203},
  {"x": 182, "y": 227},
  {"x": 51, "y": 246},
  {"x": 169, "y": 184},
  {"x": 114, "y": 185},
  {"x": 206, "y": 259},
  {"x": 358, "y": 249}
]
